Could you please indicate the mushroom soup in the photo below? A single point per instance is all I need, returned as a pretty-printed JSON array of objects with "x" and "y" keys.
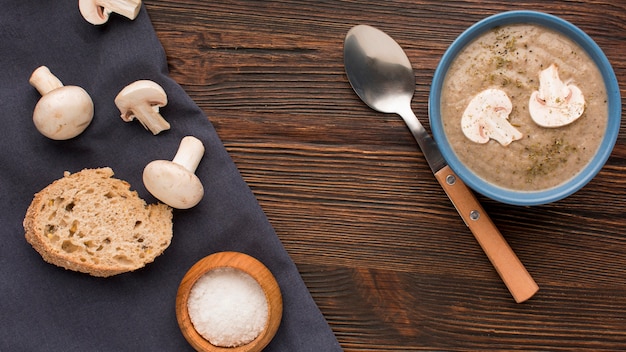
[{"x": 524, "y": 107}]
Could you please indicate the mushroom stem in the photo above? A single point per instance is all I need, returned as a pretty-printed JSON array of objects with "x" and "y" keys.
[
  {"x": 126, "y": 8},
  {"x": 44, "y": 81},
  {"x": 150, "y": 118},
  {"x": 189, "y": 153}
]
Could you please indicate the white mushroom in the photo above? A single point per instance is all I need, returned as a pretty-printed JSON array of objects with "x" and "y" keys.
[
  {"x": 63, "y": 112},
  {"x": 142, "y": 100},
  {"x": 174, "y": 182},
  {"x": 98, "y": 11},
  {"x": 486, "y": 117},
  {"x": 556, "y": 103}
]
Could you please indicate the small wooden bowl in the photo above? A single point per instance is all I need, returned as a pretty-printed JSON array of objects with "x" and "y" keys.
[{"x": 252, "y": 267}]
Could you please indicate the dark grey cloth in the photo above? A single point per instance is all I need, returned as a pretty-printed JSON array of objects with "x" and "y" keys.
[{"x": 47, "y": 308}]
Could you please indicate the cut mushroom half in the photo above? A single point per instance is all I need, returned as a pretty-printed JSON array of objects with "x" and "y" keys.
[
  {"x": 556, "y": 103},
  {"x": 98, "y": 11},
  {"x": 174, "y": 182},
  {"x": 63, "y": 112},
  {"x": 142, "y": 100},
  {"x": 487, "y": 117}
]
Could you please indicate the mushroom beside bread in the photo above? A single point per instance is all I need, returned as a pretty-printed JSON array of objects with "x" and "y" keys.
[
  {"x": 89, "y": 221},
  {"x": 174, "y": 182}
]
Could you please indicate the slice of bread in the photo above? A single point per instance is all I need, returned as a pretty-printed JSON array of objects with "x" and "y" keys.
[{"x": 93, "y": 223}]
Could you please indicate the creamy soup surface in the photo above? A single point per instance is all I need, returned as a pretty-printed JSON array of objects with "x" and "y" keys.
[{"x": 510, "y": 58}]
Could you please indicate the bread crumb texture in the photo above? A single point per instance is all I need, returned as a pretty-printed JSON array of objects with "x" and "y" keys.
[{"x": 93, "y": 223}]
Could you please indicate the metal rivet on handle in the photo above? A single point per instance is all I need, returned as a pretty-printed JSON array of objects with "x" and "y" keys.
[
  {"x": 450, "y": 179},
  {"x": 474, "y": 215}
]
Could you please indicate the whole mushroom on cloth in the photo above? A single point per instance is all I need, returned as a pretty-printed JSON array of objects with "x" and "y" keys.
[
  {"x": 174, "y": 182},
  {"x": 98, "y": 11},
  {"x": 142, "y": 100},
  {"x": 63, "y": 112},
  {"x": 487, "y": 117},
  {"x": 556, "y": 103}
]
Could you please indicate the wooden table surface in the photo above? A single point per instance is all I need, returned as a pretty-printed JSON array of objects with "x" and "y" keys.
[{"x": 384, "y": 253}]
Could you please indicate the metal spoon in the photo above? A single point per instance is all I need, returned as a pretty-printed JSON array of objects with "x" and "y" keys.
[{"x": 382, "y": 76}]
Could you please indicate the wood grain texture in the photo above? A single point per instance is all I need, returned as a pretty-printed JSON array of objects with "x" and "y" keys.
[{"x": 381, "y": 248}]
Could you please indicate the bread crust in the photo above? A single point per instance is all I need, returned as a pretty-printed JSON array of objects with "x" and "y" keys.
[{"x": 93, "y": 223}]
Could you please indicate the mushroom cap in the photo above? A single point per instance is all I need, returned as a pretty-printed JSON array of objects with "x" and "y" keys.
[
  {"x": 172, "y": 184},
  {"x": 97, "y": 11},
  {"x": 486, "y": 117},
  {"x": 92, "y": 12},
  {"x": 142, "y": 92},
  {"x": 63, "y": 113},
  {"x": 556, "y": 103}
]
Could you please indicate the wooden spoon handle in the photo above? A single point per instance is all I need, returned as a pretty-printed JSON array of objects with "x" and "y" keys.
[{"x": 509, "y": 267}]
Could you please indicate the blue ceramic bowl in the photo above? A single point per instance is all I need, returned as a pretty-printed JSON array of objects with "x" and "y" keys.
[{"x": 614, "y": 109}]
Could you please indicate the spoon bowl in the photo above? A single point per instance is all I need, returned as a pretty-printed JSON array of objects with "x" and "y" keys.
[
  {"x": 382, "y": 76},
  {"x": 385, "y": 80}
]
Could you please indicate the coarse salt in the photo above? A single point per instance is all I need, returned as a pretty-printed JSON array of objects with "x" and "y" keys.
[{"x": 227, "y": 307}]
